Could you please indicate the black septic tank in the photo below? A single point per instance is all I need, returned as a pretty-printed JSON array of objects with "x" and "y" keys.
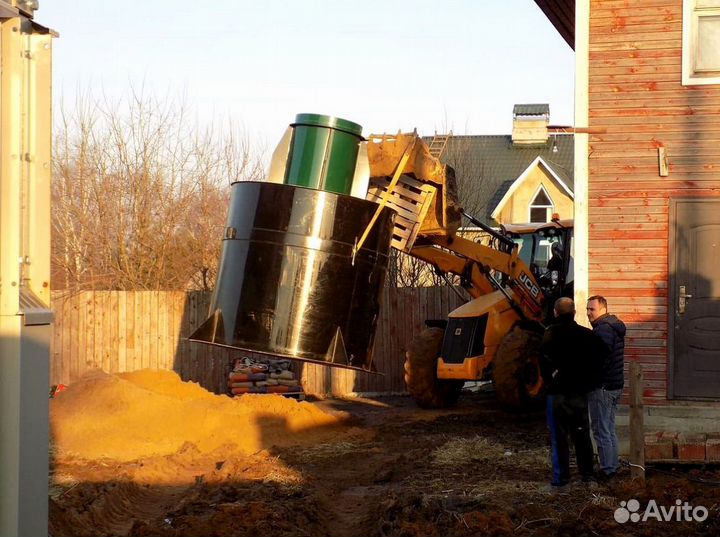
[{"x": 290, "y": 283}]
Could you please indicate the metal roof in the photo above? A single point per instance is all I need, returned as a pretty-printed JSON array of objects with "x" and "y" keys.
[
  {"x": 531, "y": 110},
  {"x": 486, "y": 167}
]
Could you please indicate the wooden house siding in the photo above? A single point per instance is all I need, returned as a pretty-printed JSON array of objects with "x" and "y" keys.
[{"x": 636, "y": 96}]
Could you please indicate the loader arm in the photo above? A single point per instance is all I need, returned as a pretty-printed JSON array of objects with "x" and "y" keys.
[{"x": 527, "y": 296}]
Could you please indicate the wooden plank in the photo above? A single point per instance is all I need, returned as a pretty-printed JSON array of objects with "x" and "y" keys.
[
  {"x": 164, "y": 305},
  {"x": 179, "y": 336},
  {"x": 634, "y": 26},
  {"x": 666, "y": 112},
  {"x": 396, "y": 348},
  {"x": 637, "y": 428},
  {"x": 660, "y": 219},
  {"x": 627, "y": 241},
  {"x": 636, "y": 71},
  {"x": 139, "y": 325},
  {"x": 100, "y": 313},
  {"x": 670, "y": 139},
  {"x": 85, "y": 343},
  {"x": 385, "y": 339},
  {"x": 608, "y": 257},
  {"x": 89, "y": 330},
  {"x": 397, "y": 200},
  {"x": 152, "y": 332},
  {"x": 180, "y": 344},
  {"x": 628, "y": 201},
  {"x": 59, "y": 305},
  {"x": 703, "y": 155},
  {"x": 609, "y": 32},
  {"x": 650, "y": 121},
  {"x": 639, "y": 236},
  {"x": 674, "y": 101},
  {"x": 648, "y": 148},
  {"x": 669, "y": 36},
  {"x": 619, "y": 269},
  {"x": 406, "y": 304},
  {"x": 631, "y": 8},
  {"x": 627, "y": 227},
  {"x": 110, "y": 335},
  {"x": 57, "y": 369},
  {"x": 656, "y": 278},
  {"x": 599, "y": 45},
  {"x": 638, "y": 288},
  {"x": 628, "y": 212},
  {"x": 122, "y": 334}
]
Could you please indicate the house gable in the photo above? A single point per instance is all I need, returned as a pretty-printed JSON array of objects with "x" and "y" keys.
[{"x": 514, "y": 206}]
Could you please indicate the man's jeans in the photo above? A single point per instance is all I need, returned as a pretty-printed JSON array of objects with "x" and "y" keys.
[{"x": 602, "y": 404}]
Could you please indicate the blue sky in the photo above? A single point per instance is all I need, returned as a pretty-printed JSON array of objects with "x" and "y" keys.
[{"x": 388, "y": 65}]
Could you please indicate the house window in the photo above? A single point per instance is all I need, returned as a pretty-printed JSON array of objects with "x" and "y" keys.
[
  {"x": 701, "y": 42},
  {"x": 541, "y": 208}
]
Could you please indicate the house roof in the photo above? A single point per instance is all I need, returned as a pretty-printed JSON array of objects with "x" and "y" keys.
[
  {"x": 531, "y": 110},
  {"x": 561, "y": 13},
  {"x": 487, "y": 166}
]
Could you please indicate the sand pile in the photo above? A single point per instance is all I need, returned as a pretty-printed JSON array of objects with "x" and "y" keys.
[{"x": 147, "y": 413}]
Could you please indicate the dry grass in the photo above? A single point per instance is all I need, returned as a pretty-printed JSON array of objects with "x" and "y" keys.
[
  {"x": 289, "y": 481},
  {"x": 468, "y": 450},
  {"x": 330, "y": 450},
  {"x": 484, "y": 451}
]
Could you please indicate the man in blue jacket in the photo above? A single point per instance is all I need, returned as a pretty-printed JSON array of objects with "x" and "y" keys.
[{"x": 603, "y": 401}]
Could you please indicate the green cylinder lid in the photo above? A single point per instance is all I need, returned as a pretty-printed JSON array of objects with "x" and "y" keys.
[{"x": 319, "y": 120}]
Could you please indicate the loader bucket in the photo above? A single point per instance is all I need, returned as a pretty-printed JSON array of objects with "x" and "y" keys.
[{"x": 289, "y": 284}]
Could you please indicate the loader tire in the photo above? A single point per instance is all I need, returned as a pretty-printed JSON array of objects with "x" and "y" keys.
[
  {"x": 516, "y": 371},
  {"x": 421, "y": 372}
]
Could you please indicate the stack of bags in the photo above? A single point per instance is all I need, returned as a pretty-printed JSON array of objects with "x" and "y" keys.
[{"x": 263, "y": 376}]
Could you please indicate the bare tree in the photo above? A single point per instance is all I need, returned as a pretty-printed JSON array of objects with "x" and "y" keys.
[{"x": 140, "y": 195}]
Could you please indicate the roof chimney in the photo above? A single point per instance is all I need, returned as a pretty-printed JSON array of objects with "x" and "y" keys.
[{"x": 530, "y": 122}]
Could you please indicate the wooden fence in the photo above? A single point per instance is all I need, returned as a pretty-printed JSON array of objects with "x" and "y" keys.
[{"x": 119, "y": 331}]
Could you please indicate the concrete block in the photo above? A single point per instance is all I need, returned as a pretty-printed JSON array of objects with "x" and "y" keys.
[{"x": 691, "y": 447}]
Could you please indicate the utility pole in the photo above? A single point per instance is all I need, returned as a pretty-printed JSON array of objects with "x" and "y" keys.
[{"x": 25, "y": 315}]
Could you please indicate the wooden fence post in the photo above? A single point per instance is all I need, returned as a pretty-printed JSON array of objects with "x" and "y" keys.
[{"x": 637, "y": 428}]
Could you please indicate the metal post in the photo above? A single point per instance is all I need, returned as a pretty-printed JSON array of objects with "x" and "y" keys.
[{"x": 25, "y": 317}]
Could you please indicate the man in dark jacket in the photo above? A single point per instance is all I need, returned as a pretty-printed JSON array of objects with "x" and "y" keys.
[
  {"x": 570, "y": 363},
  {"x": 604, "y": 400}
]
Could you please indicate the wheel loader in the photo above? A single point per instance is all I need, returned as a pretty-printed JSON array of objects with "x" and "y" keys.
[
  {"x": 305, "y": 257},
  {"x": 496, "y": 335}
]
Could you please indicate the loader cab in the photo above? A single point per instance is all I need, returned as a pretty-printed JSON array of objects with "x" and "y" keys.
[{"x": 548, "y": 250}]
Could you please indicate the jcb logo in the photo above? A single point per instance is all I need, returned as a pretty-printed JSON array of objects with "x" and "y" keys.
[{"x": 529, "y": 285}]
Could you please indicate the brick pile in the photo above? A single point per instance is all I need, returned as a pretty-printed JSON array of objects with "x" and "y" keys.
[{"x": 665, "y": 446}]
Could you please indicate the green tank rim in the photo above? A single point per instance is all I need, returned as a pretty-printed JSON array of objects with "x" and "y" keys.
[{"x": 331, "y": 122}]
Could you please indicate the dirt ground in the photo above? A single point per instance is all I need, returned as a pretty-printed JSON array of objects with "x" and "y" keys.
[{"x": 382, "y": 468}]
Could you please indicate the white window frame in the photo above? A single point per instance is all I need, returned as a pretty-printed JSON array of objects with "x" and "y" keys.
[
  {"x": 691, "y": 15},
  {"x": 548, "y": 208}
]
